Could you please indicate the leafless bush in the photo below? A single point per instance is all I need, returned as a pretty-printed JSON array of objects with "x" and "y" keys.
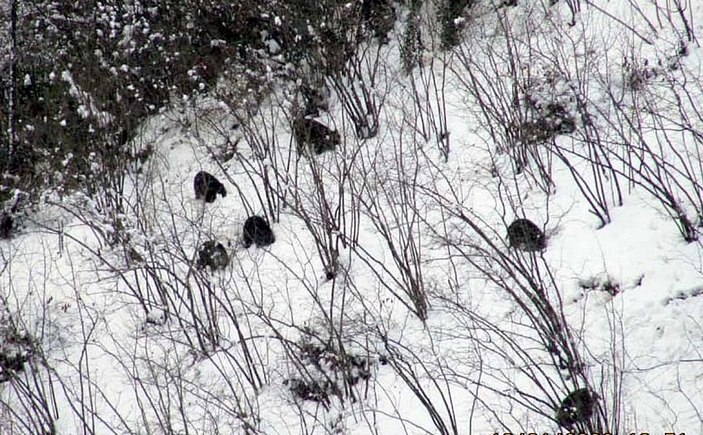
[
  {"x": 500, "y": 82},
  {"x": 648, "y": 138},
  {"x": 543, "y": 98},
  {"x": 325, "y": 370},
  {"x": 261, "y": 158},
  {"x": 574, "y": 8},
  {"x": 389, "y": 199},
  {"x": 676, "y": 15},
  {"x": 315, "y": 188},
  {"x": 33, "y": 344},
  {"x": 599, "y": 184},
  {"x": 358, "y": 88},
  {"x": 182, "y": 313},
  {"x": 428, "y": 117},
  {"x": 27, "y": 400},
  {"x": 325, "y": 218},
  {"x": 540, "y": 345},
  {"x": 427, "y": 381},
  {"x": 657, "y": 160}
]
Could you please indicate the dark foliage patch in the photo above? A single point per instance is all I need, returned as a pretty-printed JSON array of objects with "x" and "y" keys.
[
  {"x": 316, "y": 391},
  {"x": 16, "y": 349},
  {"x": 315, "y": 98},
  {"x": 85, "y": 78},
  {"x": 603, "y": 283},
  {"x": 449, "y": 14},
  {"x": 6, "y": 223},
  {"x": 547, "y": 109},
  {"x": 379, "y": 17},
  {"x": 326, "y": 371}
]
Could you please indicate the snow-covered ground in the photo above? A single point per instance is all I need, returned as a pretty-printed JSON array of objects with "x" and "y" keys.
[{"x": 133, "y": 338}]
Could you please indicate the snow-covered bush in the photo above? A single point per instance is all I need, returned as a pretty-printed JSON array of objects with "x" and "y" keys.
[{"x": 85, "y": 75}]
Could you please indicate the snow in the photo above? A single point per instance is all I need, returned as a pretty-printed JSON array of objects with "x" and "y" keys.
[{"x": 120, "y": 337}]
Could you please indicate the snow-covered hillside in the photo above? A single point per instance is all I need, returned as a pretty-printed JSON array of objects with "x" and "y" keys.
[{"x": 392, "y": 300}]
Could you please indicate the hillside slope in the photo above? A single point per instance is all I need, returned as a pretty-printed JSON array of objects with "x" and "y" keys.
[{"x": 393, "y": 299}]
